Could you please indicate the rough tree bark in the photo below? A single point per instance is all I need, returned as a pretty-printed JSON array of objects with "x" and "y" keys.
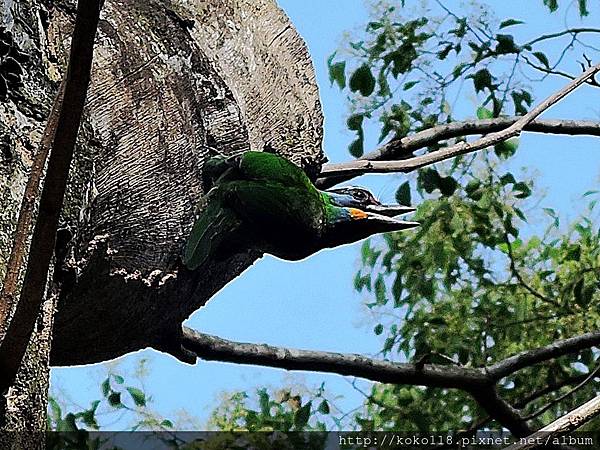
[{"x": 174, "y": 82}]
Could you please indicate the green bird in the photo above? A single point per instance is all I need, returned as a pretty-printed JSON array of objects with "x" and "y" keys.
[{"x": 262, "y": 201}]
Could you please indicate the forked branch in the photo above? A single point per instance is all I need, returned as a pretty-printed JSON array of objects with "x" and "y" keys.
[{"x": 360, "y": 167}]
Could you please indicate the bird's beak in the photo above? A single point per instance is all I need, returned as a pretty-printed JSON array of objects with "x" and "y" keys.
[
  {"x": 387, "y": 223},
  {"x": 383, "y": 220},
  {"x": 389, "y": 210}
]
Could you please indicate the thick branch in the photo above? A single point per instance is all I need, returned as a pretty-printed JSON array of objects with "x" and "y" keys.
[
  {"x": 478, "y": 382},
  {"x": 564, "y": 425},
  {"x": 359, "y": 167},
  {"x": 213, "y": 348},
  {"x": 552, "y": 351},
  {"x": 9, "y": 294},
  {"x": 14, "y": 343},
  {"x": 501, "y": 411}
]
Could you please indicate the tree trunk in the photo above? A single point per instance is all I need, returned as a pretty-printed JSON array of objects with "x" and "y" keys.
[{"x": 174, "y": 82}]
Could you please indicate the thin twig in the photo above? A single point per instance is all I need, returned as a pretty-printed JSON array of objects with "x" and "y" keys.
[
  {"x": 519, "y": 277},
  {"x": 545, "y": 408},
  {"x": 405, "y": 147},
  {"x": 569, "y": 31},
  {"x": 360, "y": 167}
]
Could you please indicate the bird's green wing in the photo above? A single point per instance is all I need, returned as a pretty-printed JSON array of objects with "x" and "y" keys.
[
  {"x": 269, "y": 204},
  {"x": 263, "y": 166},
  {"x": 215, "y": 223}
]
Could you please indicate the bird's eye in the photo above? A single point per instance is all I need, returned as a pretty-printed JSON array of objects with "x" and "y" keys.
[{"x": 360, "y": 195}]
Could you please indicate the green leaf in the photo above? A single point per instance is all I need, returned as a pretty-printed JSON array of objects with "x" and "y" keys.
[
  {"x": 520, "y": 97},
  {"x": 507, "y": 179},
  {"x": 551, "y": 4},
  {"x": 263, "y": 400},
  {"x": 384, "y": 87},
  {"x": 472, "y": 186},
  {"x": 114, "y": 400},
  {"x": 447, "y": 186},
  {"x": 429, "y": 179},
  {"x": 484, "y": 113},
  {"x": 88, "y": 416},
  {"x": 506, "y": 149},
  {"x": 397, "y": 287},
  {"x": 166, "y": 423},
  {"x": 380, "y": 296},
  {"x": 55, "y": 410},
  {"x": 94, "y": 406},
  {"x": 378, "y": 329},
  {"x": 337, "y": 74},
  {"x": 521, "y": 190},
  {"x": 541, "y": 57},
  {"x": 118, "y": 379},
  {"x": 138, "y": 397},
  {"x": 324, "y": 407},
  {"x": 437, "y": 321},
  {"x": 356, "y": 148},
  {"x": 583, "y": 11},
  {"x": 67, "y": 425},
  {"x": 482, "y": 79},
  {"x": 362, "y": 80},
  {"x": 301, "y": 416},
  {"x": 409, "y": 85},
  {"x": 355, "y": 121},
  {"x": 578, "y": 293},
  {"x": 510, "y": 22},
  {"x": 506, "y": 44},
  {"x": 105, "y": 387},
  {"x": 403, "y": 194},
  {"x": 388, "y": 344},
  {"x": 443, "y": 54}
]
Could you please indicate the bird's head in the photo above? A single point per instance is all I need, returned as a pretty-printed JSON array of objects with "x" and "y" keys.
[{"x": 353, "y": 213}]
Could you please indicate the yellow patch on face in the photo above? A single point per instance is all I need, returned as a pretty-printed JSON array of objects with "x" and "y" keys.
[{"x": 357, "y": 214}]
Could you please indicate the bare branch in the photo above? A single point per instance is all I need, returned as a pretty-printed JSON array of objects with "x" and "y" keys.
[
  {"x": 405, "y": 147},
  {"x": 360, "y": 167},
  {"x": 213, "y": 348},
  {"x": 14, "y": 343},
  {"x": 480, "y": 383},
  {"x": 568, "y": 31},
  {"x": 552, "y": 351},
  {"x": 564, "y": 425},
  {"x": 9, "y": 294}
]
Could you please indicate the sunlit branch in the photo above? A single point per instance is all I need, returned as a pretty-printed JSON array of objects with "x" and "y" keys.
[
  {"x": 359, "y": 167},
  {"x": 563, "y": 425}
]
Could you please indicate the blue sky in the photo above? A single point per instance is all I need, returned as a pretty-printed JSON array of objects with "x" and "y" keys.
[{"x": 311, "y": 304}]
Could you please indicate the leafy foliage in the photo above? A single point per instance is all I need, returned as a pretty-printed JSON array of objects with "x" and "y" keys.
[
  {"x": 429, "y": 54},
  {"x": 116, "y": 397}
]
